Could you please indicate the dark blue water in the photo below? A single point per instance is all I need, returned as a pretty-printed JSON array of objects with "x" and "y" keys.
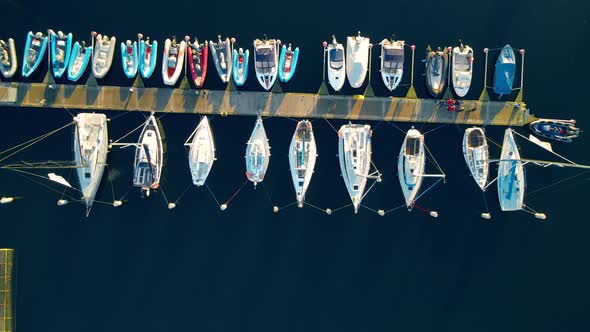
[{"x": 195, "y": 268}]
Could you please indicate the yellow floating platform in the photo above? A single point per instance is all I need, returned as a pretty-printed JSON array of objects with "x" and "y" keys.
[{"x": 229, "y": 102}]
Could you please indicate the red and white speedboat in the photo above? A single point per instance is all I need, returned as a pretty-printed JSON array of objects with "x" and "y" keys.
[
  {"x": 173, "y": 61},
  {"x": 197, "y": 61}
]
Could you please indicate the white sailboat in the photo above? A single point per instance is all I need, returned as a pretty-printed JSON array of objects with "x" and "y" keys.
[
  {"x": 462, "y": 69},
  {"x": 354, "y": 153},
  {"x": 411, "y": 165},
  {"x": 266, "y": 61},
  {"x": 336, "y": 65},
  {"x": 476, "y": 154},
  {"x": 257, "y": 153},
  {"x": 392, "y": 62},
  {"x": 202, "y": 152},
  {"x": 302, "y": 157},
  {"x": 149, "y": 157},
  {"x": 357, "y": 59},
  {"x": 511, "y": 181},
  {"x": 90, "y": 153}
]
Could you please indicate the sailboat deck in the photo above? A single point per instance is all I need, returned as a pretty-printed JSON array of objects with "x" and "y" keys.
[{"x": 228, "y": 102}]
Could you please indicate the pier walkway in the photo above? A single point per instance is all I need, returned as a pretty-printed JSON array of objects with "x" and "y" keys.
[{"x": 231, "y": 102}]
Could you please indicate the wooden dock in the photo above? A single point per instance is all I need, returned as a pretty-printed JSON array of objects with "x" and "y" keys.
[{"x": 231, "y": 102}]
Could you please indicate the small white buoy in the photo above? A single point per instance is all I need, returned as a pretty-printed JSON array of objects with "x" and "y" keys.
[
  {"x": 130, "y": 89},
  {"x": 171, "y": 206},
  {"x": 329, "y": 211},
  {"x": 6, "y": 200},
  {"x": 541, "y": 216},
  {"x": 379, "y": 179},
  {"x": 275, "y": 209},
  {"x": 223, "y": 207},
  {"x": 434, "y": 214},
  {"x": 486, "y": 215},
  {"x": 62, "y": 202},
  {"x": 381, "y": 213},
  {"x": 299, "y": 204},
  {"x": 117, "y": 203}
]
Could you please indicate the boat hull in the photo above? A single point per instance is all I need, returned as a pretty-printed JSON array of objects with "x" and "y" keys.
[
  {"x": 149, "y": 156},
  {"x": 392, "y": 63},
  {"x": 130, "y": 59},
  {"x": 79, "y": 61},
  {"x": 201, "y": 153},
  {"x": 410, "y": 166},
  {"x": 8, "y": 60},
  {"x": 287, "y": 63},
  {"x": 61, "y": 49},
  {"x": 148, "y": 55},
  {"x": 437, "y": 67},
  {"x": 476, "y": 154},
  {"x": 90, "y": 153},
  {"x": 34, "y": 52},
  {"x": 197, "y": 61},
  {"x": 511, "y": 182},
  {"x": 354, "y": 154},
  {"x": 302, "y": 158},
  {"x": 266, "y": 61},
  {"x": 559, "y": 130},
  {"x": 257, "y": 153},
  {"x": 173, "y": 61},
  {"x": 104, "y": 50},
  {"x": 462, "y": 70},
  {"x": 240, "y": 66},
  {"x": 222, "y": 58},
  {"x": 357, "y": 60},
  {"x": 336, "y": 65},
  {"x": 504, "y": 71}
]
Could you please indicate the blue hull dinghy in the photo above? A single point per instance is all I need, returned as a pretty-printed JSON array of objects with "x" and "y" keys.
[
  {"x": 504, "y": 73},
  {"x": 287, "y": 63},
  {"x": 34, "y": 51},
  {"x": 61, "y": 49}
]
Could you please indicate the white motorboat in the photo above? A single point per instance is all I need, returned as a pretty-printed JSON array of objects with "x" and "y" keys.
[
  {"x": 266, "y": 61},
  {"x": 173, "y": 61},
  {"x": 392, "y": 62},
  {"x": 257, "y": 153},
  {"x": 357, "y": 59},
  {"x": 511, "y": 180},
  {"x": 202, "y": 152},
  {"x": 476, "y": 153},
  {"x": 437, "y": 70},
  {"x": 221, "y": 52},
  {"x": 336, "y": 65},
  {"x": 462, "y": 69},
  {"x": 102, "y": 58},
  {"x": 410, "y": 166},
  {"x": 90, "y": 153},
  {"x": 149, "y": 157},
  {"x": 302, "y": 157},
  {"x": 354, "y": 153}
]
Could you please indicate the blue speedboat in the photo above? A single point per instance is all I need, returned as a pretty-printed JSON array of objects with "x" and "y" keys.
[
  {"x": 34, "y": 51},
  {"x": 129, "y": 58},
  {"x": 504, "y": 74},
  {"x": 61, "y": 48},
  {"x": 287, "y": 63},
  {"x": 148, "y": 55},
  {"x": 79, "y": 60},
  {"x": 240, "y": 70}
]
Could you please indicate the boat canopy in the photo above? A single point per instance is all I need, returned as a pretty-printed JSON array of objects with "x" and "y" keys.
[
  {"x": 393, "y": 59},
  {"x": 336, "y": 58},
  {"x": 504, "y": 78},
  {"x": 413, "y": 146},
  {"x": 476, "y": 138},
  {"x": 265, "y": 59}
]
